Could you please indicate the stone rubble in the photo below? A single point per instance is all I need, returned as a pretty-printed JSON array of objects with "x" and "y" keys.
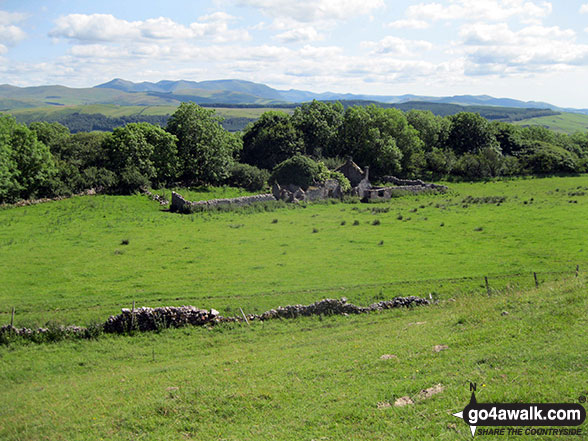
[
  {"x": 182, "y": 205},
  {"x": 152, "y": 319},
  {"x": 156, "y": 197}
]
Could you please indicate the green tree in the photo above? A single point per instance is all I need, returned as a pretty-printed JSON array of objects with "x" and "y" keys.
[
  {"x": 542, "y": 157},
  {"x": 28, "y": 165},
  {"x": 319, "y": 124},
  {"x": 508, "y": 136},
  {"x": 129, "y": 157},
  {"x": 470, "y": 133},
  {"x": 165, "y": 152},
  {"x": 382, "y": 139},
  {"x": 270, "y": 140},
  {"x": 205, "y": 148},
  {"x": 432, "y": 129},
  {"x": 9, "y": 187},
  {"x": 298, "y": 170},
  {"x": 53, "y": 135}
]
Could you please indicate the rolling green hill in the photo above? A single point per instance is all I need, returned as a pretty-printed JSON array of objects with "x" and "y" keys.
[
  {"x": 322, "y": 377},
  {"x": 564, "y": 122}
]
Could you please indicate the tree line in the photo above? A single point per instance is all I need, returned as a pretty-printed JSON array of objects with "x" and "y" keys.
[{"x": 45, "y": 159}]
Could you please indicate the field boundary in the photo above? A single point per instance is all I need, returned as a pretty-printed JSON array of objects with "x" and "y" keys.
[{"x": 532, "y": 277}]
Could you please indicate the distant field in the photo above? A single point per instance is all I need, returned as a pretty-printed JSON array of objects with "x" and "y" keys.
[
  {"x": 566, "y": 122},
  {"x": 65, "y": 260},
  {"x": 235, "y": 118}
]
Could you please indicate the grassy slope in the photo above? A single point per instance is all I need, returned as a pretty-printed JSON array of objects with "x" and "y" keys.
[
  {"x": 304, "y": 379},
  {"x": 565, "y": 123},
  {"x": 41, "y": 113},
  {"x": 64, "y": 260},
  {"x": 297, "y": 379}
]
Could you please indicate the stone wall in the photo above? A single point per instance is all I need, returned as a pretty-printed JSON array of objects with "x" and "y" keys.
[
  {"x": 153, "y": 319},
  {"x": 180, "y": 204},
  {"x": 292, "y": 193},
  {"x": 409, "y": 184}
]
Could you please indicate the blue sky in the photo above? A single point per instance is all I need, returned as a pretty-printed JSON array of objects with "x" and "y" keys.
[{"x": 523, "y": 49}]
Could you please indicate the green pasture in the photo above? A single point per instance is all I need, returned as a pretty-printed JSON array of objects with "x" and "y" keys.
[
  {"x": 111, "y": 110},
  {"x": 305, "y": 379},
  {"x": 65, "y": 261},
  {"x": 315, "y": 378},
  {"x": 564, "y": 122}
]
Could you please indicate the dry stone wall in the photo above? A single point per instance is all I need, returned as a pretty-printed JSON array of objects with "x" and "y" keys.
[
  {"x": 292, "y": 193},
  {"x": 180, "y": 204},
  {"x": 151, "y": 319},
  {"x": 413, "y": 184}
]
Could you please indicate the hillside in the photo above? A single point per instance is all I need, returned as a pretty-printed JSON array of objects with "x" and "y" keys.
[
  {"x": 138, "y": 101},
  {"x": 563, "y": 122},
  {"x": 82, "y": 259}
]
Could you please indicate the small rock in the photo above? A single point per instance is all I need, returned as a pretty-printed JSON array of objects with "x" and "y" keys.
[
  {"x": 172, "y": 389},
  {"x": 417, "y": 323},
  {"x": 439, "y": 348},
  {"x": 503, "y": 313},
  {"x": 403, "y": 401},
  {"x": 384, "y": 405},
  {"x": 388, "y": 357},
  {"x": 428, "y": 393}
]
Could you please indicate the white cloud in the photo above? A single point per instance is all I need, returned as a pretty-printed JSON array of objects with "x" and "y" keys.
[
  {"x": 300, "y": 34},
  {"x": 95, "y": 27},
  {"x": 107, "y": 28},
  {"x": 314, "y": 10},
  {"x": 495, "y": 49},
  {"x": 7, "y": 18},
  {"x": 397, "y": 46},
  {"x": 490, "y": 10},
  {"x": 584, "y": 8},
  {"x": 10, "y": 34},
  {"x": 409, "y": 24}
]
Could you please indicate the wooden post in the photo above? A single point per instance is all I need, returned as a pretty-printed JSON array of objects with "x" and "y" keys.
[
  {"x": 244, "y": 316},
  {"x": 12, "y": 318},
  {"x": 536, "y": 281},
  {"x": 133, "y": 310},
  {"x": 577, "y": 270},
  {"x": 487, "y": 285}
]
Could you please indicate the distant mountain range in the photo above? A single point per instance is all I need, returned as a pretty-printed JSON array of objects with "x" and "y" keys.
[{"x": 229, "y": 92}]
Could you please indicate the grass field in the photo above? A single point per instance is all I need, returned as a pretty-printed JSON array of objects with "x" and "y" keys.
[
  {"x": 65, "y": 261},
  {"x": 302, "y": 379},
  {"x": 565, "y": 122},
  {"x": 110, "y": 110}
]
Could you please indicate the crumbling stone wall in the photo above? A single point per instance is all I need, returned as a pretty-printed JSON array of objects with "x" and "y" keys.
[
  {"x": 292, "y": 193},
  {"x": 152, "y": 319},
  {"x": 411, "y": 185},
  {"x": 181, "y": 204}
]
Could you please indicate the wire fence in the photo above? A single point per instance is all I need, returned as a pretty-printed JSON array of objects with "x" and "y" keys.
[{"x": 361, "y": 293}]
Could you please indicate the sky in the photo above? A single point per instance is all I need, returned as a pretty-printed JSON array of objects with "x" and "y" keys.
[{"x": 522, "y": 49}]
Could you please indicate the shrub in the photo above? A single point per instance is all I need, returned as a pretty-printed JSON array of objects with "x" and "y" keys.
[
  {"x": 541, "y": 157},
  {"x": 298, "y": 170},
  {"x": 325, "y": 173},
  {"x": 248, "y": 177}
]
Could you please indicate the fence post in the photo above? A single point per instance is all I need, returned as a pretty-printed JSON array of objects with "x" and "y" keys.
[
  {"x": 487, "y": 285},
  {"x": 12, "y": 318},
  {"x": 536, "y": 281},
  {"x": 244, "y": 316}
]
